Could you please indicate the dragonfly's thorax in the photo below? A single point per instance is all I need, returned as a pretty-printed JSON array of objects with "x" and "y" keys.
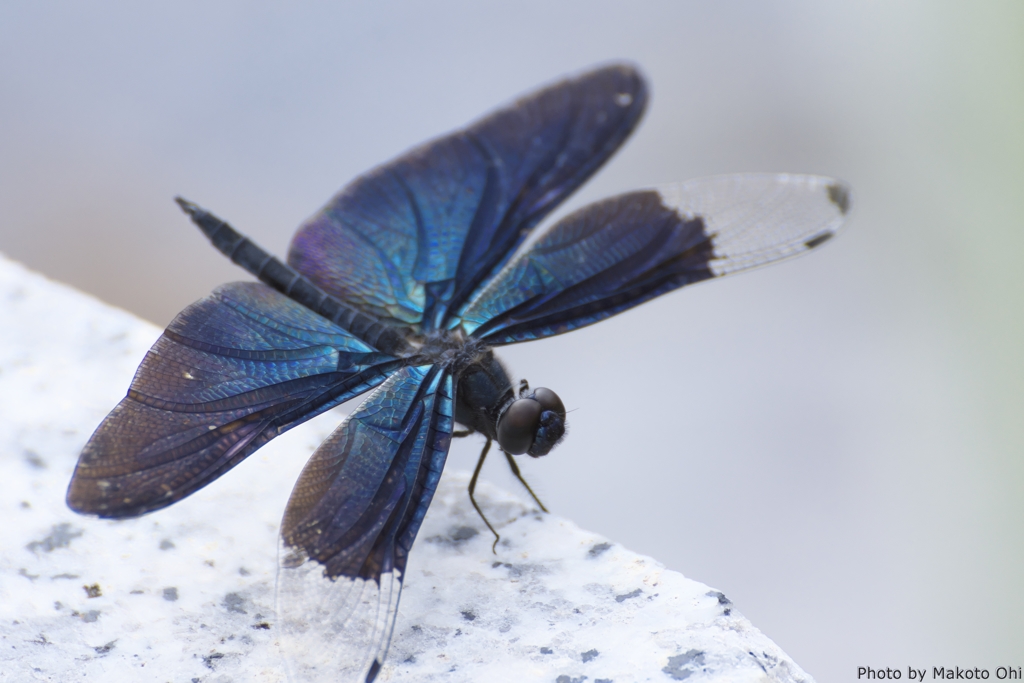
[
  {"x": 485, "y": 401},
  {"x": 483, "y": 388},
  {"x": 451, "y": 349},
  {"x": 483, "y": 392}
]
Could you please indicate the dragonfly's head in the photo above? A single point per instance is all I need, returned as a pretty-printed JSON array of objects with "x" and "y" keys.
[{"x": 532, "y": 424}]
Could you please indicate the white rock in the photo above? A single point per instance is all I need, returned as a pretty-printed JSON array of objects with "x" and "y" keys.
[{"x": 187, "y": 593}]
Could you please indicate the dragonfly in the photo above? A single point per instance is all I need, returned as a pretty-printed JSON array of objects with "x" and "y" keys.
[{"x": 403, "y": 286}]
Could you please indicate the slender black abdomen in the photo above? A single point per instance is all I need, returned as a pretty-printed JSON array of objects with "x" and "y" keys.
[{"x": 271, "y": 271}]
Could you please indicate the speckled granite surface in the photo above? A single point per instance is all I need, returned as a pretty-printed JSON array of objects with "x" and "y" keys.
[{"x": 187, "y": 594}]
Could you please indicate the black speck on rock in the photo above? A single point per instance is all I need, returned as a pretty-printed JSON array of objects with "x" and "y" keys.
[
  {"x": 725, "y": 602},
  {"x": 546, "y": 651},
  {"x": 598, "y": 549},
  {"x": 166, "y": 544},
  {"x": 261, "y": 626},
  {"x": 516, "y": 571},
  {"x": 566, "y": 679},
  {"x": 456, "y": 536},
  {"x": 34, "y": 460},
  {"x": 589, "y": 655},
  {"x": 90, "y": 616},
  {"x": 93, "y": 590},
  {"x": 468, "y": 615},
  {"x": 603, "y": 680},
  {"x": 720, "y": 596},
  {"x": 627, "y": 596},
  {"x": 211, "y": 660},
  {"x": 765, "y": 661},
  {"x": 681, "y": 667},
  {"x": 234, "y": 602},
  {"x": 171, "y": 594},
  {"x": 104, "y": 649},
  {"x": 60, "y": 536}
]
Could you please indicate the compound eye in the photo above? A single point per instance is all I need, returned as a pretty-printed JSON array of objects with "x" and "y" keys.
[
  {"x": 517, "y": 425},
  {"x": 549, "y": 401}
]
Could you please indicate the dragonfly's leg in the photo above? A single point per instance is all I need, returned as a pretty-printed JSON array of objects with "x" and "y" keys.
[
  {"x": 515, "y": 471},
  {"x": 459, "y": 433},
  {"x": 472, "y": 499},
  {"x": 524, "y": 387}
]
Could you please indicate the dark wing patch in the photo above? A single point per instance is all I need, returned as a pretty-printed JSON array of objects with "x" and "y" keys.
[
  {"x": 231, "y": 372},
  {"x": 839, "y": 195},
  {"x": 413, "y": 239},
  {"x": 819, "y": 240},
  {"x": 759, "y": 218},
  {"x": 351, "y": 520},
  {"x": 617, "y": 253}
]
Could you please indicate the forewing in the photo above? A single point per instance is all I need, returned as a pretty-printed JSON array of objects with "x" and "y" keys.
[
  {"x": 617, "y": 253},
  {"x": 350, "y": 522},
  {"x": 231, "y": 372},
  {"x": 415, "y": 238}
]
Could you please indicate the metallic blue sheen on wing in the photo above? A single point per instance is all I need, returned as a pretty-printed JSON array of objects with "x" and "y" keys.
[
  {"x": 360, "y": 500},
  {"x": 415, "y": 238},
  {"x": 231, "y": 372},
  {"x": 415, "y": 257},
  {"x": 599, "y": 261}
]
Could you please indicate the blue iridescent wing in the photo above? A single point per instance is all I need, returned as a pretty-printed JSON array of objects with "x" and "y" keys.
[
  {"x": 412, "y": 240},
  {"x": 350, "y": 522},
  {"x": 231, "y": 372},
  {"x": 620, "y": 252}
]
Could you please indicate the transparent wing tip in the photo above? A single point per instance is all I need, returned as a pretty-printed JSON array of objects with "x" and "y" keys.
[
  {"x": 839, "y": 194},
  {"x": 753, "y": 219}
]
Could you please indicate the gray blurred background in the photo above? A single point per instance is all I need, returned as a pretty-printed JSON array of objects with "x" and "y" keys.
[{"x": 835, "y": 442}]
